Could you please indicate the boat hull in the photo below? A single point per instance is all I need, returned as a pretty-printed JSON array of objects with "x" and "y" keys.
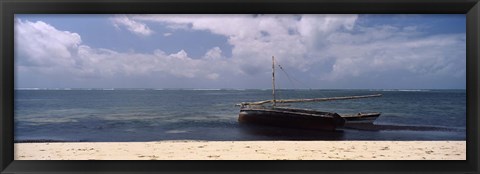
[{"x": 303, "y": 119}]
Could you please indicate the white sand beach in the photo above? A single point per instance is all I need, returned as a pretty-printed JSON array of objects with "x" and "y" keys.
[{"x": 244, "y": 150}]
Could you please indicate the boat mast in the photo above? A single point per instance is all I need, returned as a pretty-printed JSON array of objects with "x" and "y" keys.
[
  {"x": 273, "y": 80},
  {"x": 274, "y": 101}
]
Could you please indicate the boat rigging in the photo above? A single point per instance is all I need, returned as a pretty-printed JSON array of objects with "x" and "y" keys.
[{"x": 256, "y": 112}]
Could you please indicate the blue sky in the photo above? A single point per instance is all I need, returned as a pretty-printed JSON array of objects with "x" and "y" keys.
[{"x": 234, "y": 51}]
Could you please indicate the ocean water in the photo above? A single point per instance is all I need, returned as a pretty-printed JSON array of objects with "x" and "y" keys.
[{"x": 150, "y": 115}]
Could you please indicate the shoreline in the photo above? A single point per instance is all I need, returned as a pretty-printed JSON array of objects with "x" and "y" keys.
[{"x": 243, "y": 150}]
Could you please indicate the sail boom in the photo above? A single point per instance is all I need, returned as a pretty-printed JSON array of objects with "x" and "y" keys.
[{"x": 311, "y": 100}]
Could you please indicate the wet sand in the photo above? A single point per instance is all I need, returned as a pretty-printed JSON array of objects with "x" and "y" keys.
[{"x": 243, "y": 150}]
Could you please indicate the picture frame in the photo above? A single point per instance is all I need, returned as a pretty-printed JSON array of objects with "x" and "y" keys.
[{"x": 471, "y": 8}]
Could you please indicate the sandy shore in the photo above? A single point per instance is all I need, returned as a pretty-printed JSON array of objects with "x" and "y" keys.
[{"x": 245, "y": 150}]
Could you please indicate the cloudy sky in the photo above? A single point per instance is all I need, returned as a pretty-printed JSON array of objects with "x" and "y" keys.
[{"x": 234, "y": 51}]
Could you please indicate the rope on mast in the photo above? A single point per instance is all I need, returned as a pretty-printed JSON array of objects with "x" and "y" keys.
[
  {"x": 288, "y": 77},
  {"x": 273, "y": 80}
]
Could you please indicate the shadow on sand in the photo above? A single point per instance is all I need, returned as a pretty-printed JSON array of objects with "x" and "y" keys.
[
  {"x": 264, "y": 132},
  {"x": 375, "y": 127},
  {"x": 280, "y": 133}
]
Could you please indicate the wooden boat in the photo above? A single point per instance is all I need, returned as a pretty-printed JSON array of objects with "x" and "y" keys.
[
  {"x": 256, "y": 112},
  {"x": 361, "y": 118},
  {"x": 291, "y": 117}
]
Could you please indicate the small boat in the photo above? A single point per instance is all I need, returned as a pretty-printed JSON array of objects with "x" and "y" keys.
[
  {"x": 257, "y": 113},
  {"x": 361, "y": 118}
]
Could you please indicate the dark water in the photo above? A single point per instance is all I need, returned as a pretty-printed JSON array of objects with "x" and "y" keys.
[{"x": 150, "y": 115}]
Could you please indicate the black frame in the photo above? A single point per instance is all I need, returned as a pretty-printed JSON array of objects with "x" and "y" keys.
[{"x": 471, "y": 8}]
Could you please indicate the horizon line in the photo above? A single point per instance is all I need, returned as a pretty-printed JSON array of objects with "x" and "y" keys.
[{"x": 239, "y": 89}]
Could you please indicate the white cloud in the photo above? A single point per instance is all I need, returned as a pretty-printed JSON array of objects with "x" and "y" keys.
[
  {"x": 111, "y": 63},
  {"x": 255, "y": 38},
  {"x": 214, "y": 53},
  {"x": 213, "y": 76},
  {"x": 328, "y": 47},
  {"x": 131, "y": 25},
  {"x": 440, "y": 55},
  {"x": 40, "y": 44}
]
